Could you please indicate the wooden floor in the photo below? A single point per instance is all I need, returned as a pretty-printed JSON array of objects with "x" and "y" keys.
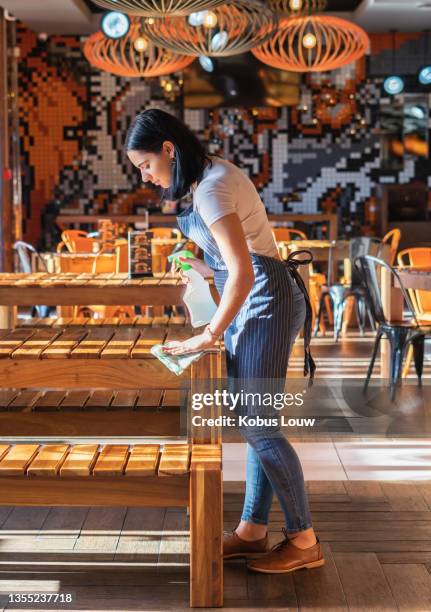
[{"x": 376, "y": 538}]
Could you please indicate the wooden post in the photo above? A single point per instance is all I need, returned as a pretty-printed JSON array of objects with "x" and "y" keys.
[
  {"x": 6, "y": 258},
  {"x": 206, "y": 527},
  {"x": 8, "y": 317}
]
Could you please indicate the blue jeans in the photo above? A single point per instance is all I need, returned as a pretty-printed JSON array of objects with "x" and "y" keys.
[{"x": 273, "y": 465}]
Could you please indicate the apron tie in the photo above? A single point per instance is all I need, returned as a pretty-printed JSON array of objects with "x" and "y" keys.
[{"x": 292, "y": 265}]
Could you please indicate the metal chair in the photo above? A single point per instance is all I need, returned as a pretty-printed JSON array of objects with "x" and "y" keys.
[
  {"x": 24, "y": 250},
  {"x": 401, "y": 334},
  {"x": 339, "y": 292}
]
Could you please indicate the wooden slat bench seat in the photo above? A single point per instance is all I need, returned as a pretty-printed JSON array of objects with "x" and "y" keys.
[
  {"x": 92, "y": 412},
  {"x": 94, "y": 356},
  {"x": 138, "y": 321},
  {"x": 138, "y": 475}
]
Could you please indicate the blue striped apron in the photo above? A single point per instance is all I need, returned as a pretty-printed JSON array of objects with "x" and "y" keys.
[{"x": 259, "y": 339}]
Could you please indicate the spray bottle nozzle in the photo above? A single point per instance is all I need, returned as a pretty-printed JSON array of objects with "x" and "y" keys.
[{"x": 175, "y": 257}]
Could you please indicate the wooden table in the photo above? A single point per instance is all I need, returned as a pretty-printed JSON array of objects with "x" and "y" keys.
[
  {"x": 70, "y": 289},
  {"x": 392, "y": 300},
  {"x": 416, "y": 278},
  {"x": 160, "y": 219}
]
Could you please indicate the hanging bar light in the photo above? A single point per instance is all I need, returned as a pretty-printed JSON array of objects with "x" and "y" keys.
[
  {"x": 133, "y": 55},
  {"x": 230, "y": 29},
  {"x": 313, "y": 44},
  {"x": 297, "y": 7},
  {"x": 158, "y": 8}
]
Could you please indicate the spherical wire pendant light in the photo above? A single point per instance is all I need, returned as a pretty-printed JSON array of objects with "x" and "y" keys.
[
  {"x": 133, "y": 55},
  {"x": 158, "y": 8},
  {"x": 313, "y": 44},
  {"x": 230, "y": 29}
]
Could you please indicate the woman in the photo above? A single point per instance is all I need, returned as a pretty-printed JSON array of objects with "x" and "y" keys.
[{"x": 261, "y": 311}]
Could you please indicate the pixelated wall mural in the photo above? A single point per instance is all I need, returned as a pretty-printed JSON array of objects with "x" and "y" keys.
[{"x": 320, "y": 156}]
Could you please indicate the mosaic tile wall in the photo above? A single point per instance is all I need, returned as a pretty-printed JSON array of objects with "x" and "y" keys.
[{"x": 321, "y": 156}]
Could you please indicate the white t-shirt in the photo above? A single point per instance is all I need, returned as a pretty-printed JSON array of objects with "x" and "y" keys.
[{"x": 226, "y": 189}]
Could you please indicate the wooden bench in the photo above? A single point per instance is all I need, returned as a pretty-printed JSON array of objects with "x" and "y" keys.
[
  {"x": 129, "y": 475},
  {"x": 55, "y": 365},
  {"x": 92, "y": 412}
]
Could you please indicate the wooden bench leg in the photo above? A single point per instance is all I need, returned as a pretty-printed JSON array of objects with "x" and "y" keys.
[
  {"x": 206, "y": 533},
  {"x": 8, "y": 317}
]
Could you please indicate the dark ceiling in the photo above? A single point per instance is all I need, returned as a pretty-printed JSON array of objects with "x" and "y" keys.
[{"x": 333, "y": 6}]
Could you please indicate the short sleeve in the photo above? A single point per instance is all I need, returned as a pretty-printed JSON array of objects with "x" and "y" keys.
[{"x": 214, "y": 200}]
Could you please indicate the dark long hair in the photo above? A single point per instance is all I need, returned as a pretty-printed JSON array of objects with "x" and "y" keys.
[{"x": 148, "y": 132}]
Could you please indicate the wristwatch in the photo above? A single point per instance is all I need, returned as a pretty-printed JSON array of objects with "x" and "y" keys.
[{"x": 211, "y": 333}]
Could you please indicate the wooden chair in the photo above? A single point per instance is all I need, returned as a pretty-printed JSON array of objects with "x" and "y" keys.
[
  {"x": 287, "y": 234},
  {"x": 77, "y": 241},
  {"x": 421, "y": 300},
  {"x": 417, "y": 257},
  {"x": 392, "y": 238}
]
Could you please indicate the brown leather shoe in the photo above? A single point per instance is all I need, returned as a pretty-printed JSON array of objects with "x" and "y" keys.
[
  {"x": 235, "y": 547},
  {"x": 286, "y": 557}
]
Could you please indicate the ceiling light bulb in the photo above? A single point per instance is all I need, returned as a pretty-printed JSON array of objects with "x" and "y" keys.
[
  {"x": 219, "y": 41},
  {"x": 210, "y": 19},
  {"x": 115, "y": 24},
  {"x": 393, "y": 85},
  {"x": 141, "y": 44},
  {"x": 295, "y": 5},
  {"x": 425, "y": 75},
  {"x": 206, "y": 63},
  {"x": 168, "y": 87},
  {"x": 309, "y": 41}
]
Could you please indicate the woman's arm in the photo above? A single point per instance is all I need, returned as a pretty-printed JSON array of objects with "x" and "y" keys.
[{"x": 230, "y": 239}]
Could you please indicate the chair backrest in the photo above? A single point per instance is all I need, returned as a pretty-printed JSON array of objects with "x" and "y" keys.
[
  {"x": 392, "y": 238},
  {"x": 24, "y": 251},
  {"x": 369, "y": 269},
  {"x": 166, "y": 232},
  {"x": 77, "y": 241},
  {"x": 417, "y": 257},
  {"x": 287, "y": 234},
  {"x": 359, "y": 246}
]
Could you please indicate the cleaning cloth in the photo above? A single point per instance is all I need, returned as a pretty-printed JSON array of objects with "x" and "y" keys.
[{"x": 175, "y": 363}]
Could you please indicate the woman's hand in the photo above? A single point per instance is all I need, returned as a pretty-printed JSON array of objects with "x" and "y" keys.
[
  {"x": 197, "y": 264},
  {"x": 192, "y": 345}
]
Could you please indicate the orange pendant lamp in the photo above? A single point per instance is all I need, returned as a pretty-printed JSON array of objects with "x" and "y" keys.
[
  {"x": 158, "y": 8},
  {"x": 313, "y": 44},
  {"x": 133, "y": 55},
  {"x": 235, "y": 27}
]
